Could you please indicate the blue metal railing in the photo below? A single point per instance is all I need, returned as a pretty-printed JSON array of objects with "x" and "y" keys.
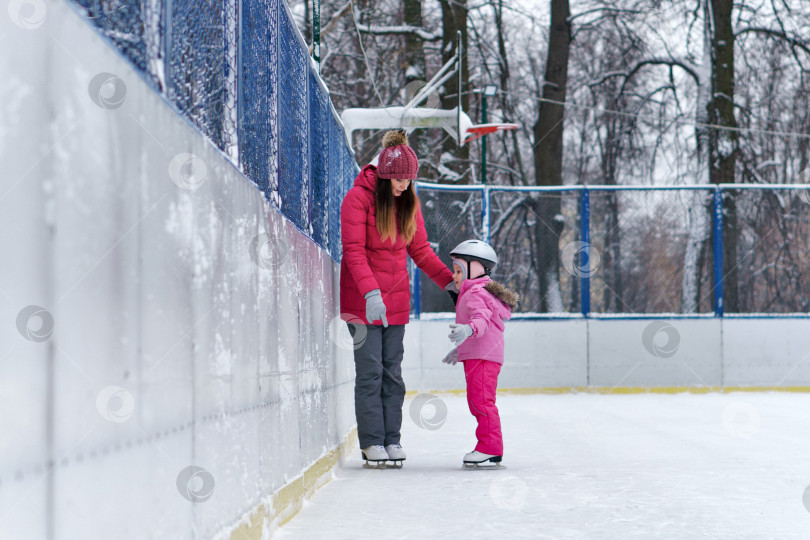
[
  {"x": 717, "y": 228},
  {"x": 584, "y": 254}
]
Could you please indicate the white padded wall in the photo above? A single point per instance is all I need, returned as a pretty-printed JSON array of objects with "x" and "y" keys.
[{"x": 171, "y": 346}]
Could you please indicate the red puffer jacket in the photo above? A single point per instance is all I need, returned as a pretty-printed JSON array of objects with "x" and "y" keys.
[{"x": 369, "y": 263}]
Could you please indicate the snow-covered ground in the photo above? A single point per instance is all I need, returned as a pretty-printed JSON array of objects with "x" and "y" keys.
[{"x": 585, "y": 466}]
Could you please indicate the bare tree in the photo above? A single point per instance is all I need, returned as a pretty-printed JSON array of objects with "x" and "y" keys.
[
  {"x": 548, "y": 156},
  {"x": 454, "y": 20},
  {"x": 723, "y": 142},
  {"x": 414, "y": 60}
]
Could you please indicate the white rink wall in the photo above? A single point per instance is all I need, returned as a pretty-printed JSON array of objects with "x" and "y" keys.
[
  {"x": 171, "y": 346},
  {"x": 625, "y": 354}
]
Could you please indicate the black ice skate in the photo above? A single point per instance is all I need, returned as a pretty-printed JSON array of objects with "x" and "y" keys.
[
  {"x": 478, "y": 460},
  {"x": 375, "y": 457}
]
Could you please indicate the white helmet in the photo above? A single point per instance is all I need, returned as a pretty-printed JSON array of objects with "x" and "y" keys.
[{"x": 476, "y": 250}]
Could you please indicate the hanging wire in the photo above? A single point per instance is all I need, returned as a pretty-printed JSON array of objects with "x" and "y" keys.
[{"x": 683, "y": 121}]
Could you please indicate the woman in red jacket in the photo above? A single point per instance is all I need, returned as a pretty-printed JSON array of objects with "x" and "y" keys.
[{"x": 381, "y": 221}]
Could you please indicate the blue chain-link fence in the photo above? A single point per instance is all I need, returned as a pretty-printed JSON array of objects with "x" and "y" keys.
[
  {"x": 127, "y": 25},
  {"x": 240, "y": 71},
  {"x": 607, "y": 251}
]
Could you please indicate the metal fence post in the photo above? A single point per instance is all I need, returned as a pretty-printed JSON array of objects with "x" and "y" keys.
[
  {"x": 484, "y": 139},
  {"x": 585, "y": 253},
  {"x": 311, "y": 180},
  {"x": 485, "y": 214},
  {"x": 310, "y": 229},
  {"x": 167, "y": 48},
  {"x": 417, "y": 294},
  {"x": 239, "y": 87},
  {"x": 717, "y": 241}
]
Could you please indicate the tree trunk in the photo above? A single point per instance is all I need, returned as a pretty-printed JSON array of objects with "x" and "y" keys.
[
  {"x": 307, "y": 21},
  {"x": 414, "y": 64},
  {"x": 454, "y": 19},
  {"x": 506, "y": 104},
  {"x": 723, "y": 143},
  {"x": 698, "y": 212},
  {"x": 414, "y": 51},
  {"x": 548, "y": 157},
  {"x": 611, "y": 258}
]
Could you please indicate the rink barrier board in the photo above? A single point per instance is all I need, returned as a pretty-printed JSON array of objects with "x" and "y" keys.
[
  {"x": 626, "y": 353},
  {"x": 622, "y": 390},
  {"x": 138, "y": 236},
  {"x": 285, "y": 503}
]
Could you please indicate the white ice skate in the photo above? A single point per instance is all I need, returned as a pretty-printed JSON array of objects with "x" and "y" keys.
[
  {"x": 375, "y": 456},
  {"x": 396, "y": 455},
  {"x": 479, "y": 460}
]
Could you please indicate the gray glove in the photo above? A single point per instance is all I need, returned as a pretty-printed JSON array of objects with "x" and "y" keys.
[
  {"x": 459, "y": 332},
  {"x": 451, "y": 358},
  {"x": 375, "y": 307}
]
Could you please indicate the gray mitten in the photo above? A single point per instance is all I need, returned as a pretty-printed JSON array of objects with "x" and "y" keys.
[
  {"x": 459, "y": 332},
  {"x": 451, "y": 358},
  {"x": 375, "y": 307}
]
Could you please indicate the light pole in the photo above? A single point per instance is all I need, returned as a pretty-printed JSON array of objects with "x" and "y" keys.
[{"x": 489, "y": 90}]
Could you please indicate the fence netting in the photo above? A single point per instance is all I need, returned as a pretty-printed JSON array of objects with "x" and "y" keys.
[
  {"x": 201, "y": 62},
  {"x": 319, "y": 152},
  {"x": 258, "y": 99},
  {"x": 773, "y": 249},
  {"x": 648, "y": 251},
  {"x": 127, "y": 25},
  {"x": 521, "y": 223},
  {"x": 245, "y": 81},
  {"x": 335, "y": 188},
  {"x": 654, "y": 249},
  {"x": 450, "y": 218}
]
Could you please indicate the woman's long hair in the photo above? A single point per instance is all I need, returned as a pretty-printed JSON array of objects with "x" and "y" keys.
[{"x": 395, "y": 214}]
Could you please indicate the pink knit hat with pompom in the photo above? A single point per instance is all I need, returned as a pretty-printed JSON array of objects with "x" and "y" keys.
[{"x": 397, "y": 159}]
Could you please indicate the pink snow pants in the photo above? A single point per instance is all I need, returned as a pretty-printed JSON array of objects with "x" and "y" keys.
[{"x": 482, "y": 381}]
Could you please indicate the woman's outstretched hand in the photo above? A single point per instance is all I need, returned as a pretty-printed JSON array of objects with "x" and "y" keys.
[
  {"x": 451, "y": 358},
  {"x": 459, "y": 332},
  {"x": 375, "y": 307}
]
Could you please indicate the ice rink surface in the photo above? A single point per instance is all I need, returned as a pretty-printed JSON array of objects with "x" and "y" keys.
[{"x": 669, "y": 466}]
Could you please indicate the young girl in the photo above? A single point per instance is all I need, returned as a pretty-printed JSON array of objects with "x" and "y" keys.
[{"x": 483, "y": 305}]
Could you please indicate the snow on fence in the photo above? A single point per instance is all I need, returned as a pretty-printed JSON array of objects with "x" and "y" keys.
[{"x": 630, "y": 250}]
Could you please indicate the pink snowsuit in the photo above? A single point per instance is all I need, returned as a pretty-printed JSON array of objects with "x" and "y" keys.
[{"x": 482, "y": 354}]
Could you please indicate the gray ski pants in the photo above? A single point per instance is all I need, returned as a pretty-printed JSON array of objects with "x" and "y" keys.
[{"x": 379, "y": 390}]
